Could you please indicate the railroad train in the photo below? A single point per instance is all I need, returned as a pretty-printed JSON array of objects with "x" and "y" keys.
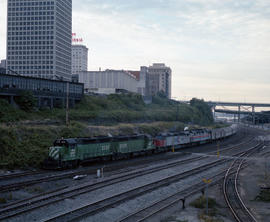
[{"x": 69, "y": 153}]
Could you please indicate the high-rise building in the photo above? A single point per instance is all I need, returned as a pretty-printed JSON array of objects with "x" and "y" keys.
[
  {"x": 79, "y": 59},
  {"x": 159, "y": 79},
  {"x": 39, "y": 34}
]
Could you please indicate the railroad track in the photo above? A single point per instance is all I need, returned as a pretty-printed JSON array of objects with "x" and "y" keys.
[
  {"x": 47, "y": 178},
  {"x": 231, "y": 194},
  {"x": 22, "y": 174},
  {"x": 163, "y": 204},
  {"x": 105, "y": 203},
  {"x": 159, "y": 206},
  {"x": 53, "y": 197}
]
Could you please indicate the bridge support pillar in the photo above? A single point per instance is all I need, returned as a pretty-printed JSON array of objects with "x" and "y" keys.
[
  {"x": 213, "y": 111},
  {"x": 39, "y": 102},
  {"x": 239, "y": 109},
  {"x": 253, "y": 114},
  {"x": 183, "y": 203},
  {"x": 51, "y": 103},
  {"x": 12, "y": 100}
]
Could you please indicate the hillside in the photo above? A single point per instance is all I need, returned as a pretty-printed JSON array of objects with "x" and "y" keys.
[{"x": 26, "y": 133}]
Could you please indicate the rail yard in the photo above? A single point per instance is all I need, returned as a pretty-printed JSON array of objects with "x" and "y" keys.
[{"x": 146, "y": 188}]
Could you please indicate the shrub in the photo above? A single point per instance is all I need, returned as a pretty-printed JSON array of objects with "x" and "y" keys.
[{"x": 26, "y": 100}]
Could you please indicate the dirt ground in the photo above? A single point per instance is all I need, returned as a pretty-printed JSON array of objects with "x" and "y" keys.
[{"x": 251, "y": 179}]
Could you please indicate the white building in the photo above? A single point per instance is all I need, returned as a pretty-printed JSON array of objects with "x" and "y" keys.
[
  {"x": 3, "y": 63},
  {"x": 159, "y": 79},
  {"x": 141, "y": 76},
  {"x": 39, "y": 38},
  {"x": 79, "y": 59},
  {"x": 108, "y": 81}
]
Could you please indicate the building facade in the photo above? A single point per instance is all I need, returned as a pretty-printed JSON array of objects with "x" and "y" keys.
[
  {"x": 79, "y": 59},
  {"x": 108, "y": 81},
  {"x": 141, "y": 76},
  {"x": 3, "y": 63},
  {"x": 3, "y": 66},
  {"x": 159, "y": 79},
  {"x": 39, "y": 34},
  {"x": 48, "y": 92}
]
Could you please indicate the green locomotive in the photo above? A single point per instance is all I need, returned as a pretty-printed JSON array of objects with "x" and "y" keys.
[{"x": 67, "y": 153}]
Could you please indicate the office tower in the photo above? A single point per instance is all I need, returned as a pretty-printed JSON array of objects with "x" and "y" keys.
[
  {"x": 79, "y": 59},
  {"x": 159, "y": 79},
  {"x": 39, "y": 38}
]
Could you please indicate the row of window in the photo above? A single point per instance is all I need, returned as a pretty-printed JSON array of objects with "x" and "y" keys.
[
  {"x": 31, "y": 33},
  {"x": 38, "y": 85},
  {"x": 25, "y": 28},
  {"x": 29, "y": 67},
  {"x": 19, "y": 3},
  {"x": 30, "y": 38},
  {"x": 33, "y": 43},
  {"x": 30, "y": 48},
  {"x": 20, "y": 62},
  {"x": 49, "y": 46},
  {"x": 30, "y": 43},
  {"x": 29, "y": 52},
  {"x": 30, "y": 18},
  {"x": 23, "y": 14},
  {"x": 30, "y": 23},
  {"x": 14, "y": 11},
  {"x": 37, "y": 73},
  {"x": 30, "y": 57}
]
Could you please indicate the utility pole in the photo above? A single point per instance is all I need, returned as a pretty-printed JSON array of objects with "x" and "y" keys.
[
  {"x": 206, "y": 191},
  {"x": 67, "y": 104},
  {"x": 218, "y": 144}
]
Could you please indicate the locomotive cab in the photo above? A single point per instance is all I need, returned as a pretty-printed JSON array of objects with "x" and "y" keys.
[{"x": 63, "y": 153}]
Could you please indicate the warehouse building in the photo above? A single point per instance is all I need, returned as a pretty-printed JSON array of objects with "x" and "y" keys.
[{"x": 108, "y": 81}]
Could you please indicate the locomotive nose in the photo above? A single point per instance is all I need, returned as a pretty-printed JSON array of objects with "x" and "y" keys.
[{"x": 54, "y": 153}]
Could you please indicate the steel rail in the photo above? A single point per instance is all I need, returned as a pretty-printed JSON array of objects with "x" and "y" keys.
[
  {"x": 93, "y": 208},
  {"x": 225, "y": 187},
  {"x": 145, "y": 213},
  {"x": 238, "y": 194}
]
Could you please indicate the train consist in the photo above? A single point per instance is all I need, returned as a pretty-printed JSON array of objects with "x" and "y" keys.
[{"x": 71, "y": 152}]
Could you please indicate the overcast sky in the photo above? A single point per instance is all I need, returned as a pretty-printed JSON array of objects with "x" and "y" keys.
[{"x": 217, "y": 49}]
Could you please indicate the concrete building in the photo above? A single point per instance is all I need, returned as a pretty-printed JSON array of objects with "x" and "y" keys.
[
  {"x": 108, "y": 81},
  {"x": 79, "y": 59},
  {"x": 158, "y": 79},
  {"x": 39, "y": 38},
  {"x": 141, "y": 76},
  {"x": 3, "y": 66},
  {"x": 3, "y": 63}
]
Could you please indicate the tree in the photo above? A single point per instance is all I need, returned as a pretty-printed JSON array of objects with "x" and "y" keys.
[
  {"x": 204, "y": 109},
  {"x": 26, "y": 100}
]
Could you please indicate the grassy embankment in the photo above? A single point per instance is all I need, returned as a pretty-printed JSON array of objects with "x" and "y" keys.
[{"x": 26, "y": 134}]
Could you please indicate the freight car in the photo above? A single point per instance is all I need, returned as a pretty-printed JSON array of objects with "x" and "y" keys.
[{"x": 71, "y": 152}]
